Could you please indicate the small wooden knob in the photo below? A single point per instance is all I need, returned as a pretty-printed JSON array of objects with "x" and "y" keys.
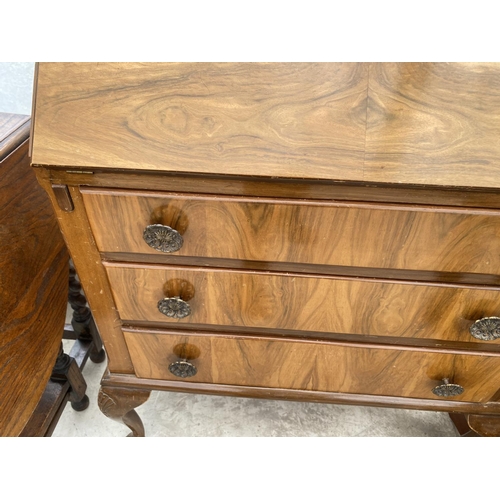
[
  {"x": 486, "y": 328},
  {"x": 174, "y": 307},
  {"x": 182, "y": 369},
  {"x": 162, "y": 238},
  {"x": 447, "y": 390}
]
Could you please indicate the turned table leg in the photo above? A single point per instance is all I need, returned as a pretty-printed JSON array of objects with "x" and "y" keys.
[
  {"x": 119, "y": 403},
  {"x": 82, "y": 321},
  {"x": 66, "y": 370}
]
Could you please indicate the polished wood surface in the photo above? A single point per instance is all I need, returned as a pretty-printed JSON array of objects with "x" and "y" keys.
[
  {"x": 303, "y": 302},
  {"x": 279, "y": 188},
  {"x": 78, "y": 236},
  {"x": 33, "y": 290},
  {"x": 14, "y": 130},
  {"x": 416, "y": 123},
  {"x": 273, "y": 119},
  {"x": 312, "y": 366},
  {"x": 339, "y": 234},
  {"x": 434, "y": 123}
]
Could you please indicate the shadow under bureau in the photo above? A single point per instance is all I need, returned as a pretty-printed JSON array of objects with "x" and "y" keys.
[{"x": 318, "y": 232}]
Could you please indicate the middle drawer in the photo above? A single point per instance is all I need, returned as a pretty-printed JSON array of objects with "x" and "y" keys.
[{"x": 280, "y": 301}]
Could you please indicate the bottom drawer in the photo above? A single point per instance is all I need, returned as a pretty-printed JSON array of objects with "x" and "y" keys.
[{"x": 311, "y": 365}]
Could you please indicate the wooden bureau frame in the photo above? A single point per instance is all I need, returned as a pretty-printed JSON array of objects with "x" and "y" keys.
[
  {"x": 122, "y": 391},
  {"x": 368, "y": 119}
]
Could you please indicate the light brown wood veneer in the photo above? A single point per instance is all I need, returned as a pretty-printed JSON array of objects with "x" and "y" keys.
[
  {"x": 312, "y": 366},
  {"x": 434, "y": 124},
  {"x": 304, "y": 302},
  {"x": 241, "y": 118},
  {"x": 338, "y": 234}
]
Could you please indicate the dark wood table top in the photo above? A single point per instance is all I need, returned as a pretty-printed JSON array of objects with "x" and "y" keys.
[
  {"x": 33, "y": 280},
  {"x": 14, "y": 129}
]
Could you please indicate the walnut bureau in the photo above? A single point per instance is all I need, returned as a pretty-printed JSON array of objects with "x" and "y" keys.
[{"x": 318, "y": 232}]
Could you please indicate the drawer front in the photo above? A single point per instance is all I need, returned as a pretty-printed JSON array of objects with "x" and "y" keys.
[
  {"x": 318, "y": 233},
  {"x": 300, "y": 302},
  {"x": 312, "y": 366}
]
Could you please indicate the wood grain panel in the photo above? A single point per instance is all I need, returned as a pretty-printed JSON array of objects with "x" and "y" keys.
[
  {"x": 425, "y": 123},
  {"x": 313, "y": 366},
  {"x": 33, "y": 290},
  {"x": 301, "y": 302},
  {"x": 434, "y": 123},
  {"x": 337, "y": 234},
  {"x": 287, "y": 119}
]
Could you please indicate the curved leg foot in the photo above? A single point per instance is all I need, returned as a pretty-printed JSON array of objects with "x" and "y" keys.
[{"x": 118, "y": 404}]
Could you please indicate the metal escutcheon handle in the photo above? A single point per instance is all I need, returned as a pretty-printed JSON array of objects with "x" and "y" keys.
[
  {"x": 182, "y": 369},
  {"x": 162, "y": 238},
  {"x": 486, "y": 328},
  {"x": 447, "y": 390},
  {"x": 174, "y": 307}
]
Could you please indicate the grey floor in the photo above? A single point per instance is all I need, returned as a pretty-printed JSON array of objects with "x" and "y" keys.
[{"x": 174, "y": 414}]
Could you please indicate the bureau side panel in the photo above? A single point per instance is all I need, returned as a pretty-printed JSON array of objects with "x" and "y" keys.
[{"x": 78, "y": 236}]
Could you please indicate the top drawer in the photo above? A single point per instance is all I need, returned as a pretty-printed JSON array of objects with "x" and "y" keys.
[{"x": 291, "y": 231}]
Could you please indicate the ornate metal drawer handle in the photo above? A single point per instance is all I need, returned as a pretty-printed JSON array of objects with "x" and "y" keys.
[
  {"x": 486, "y": 328},
  {"x": 162, "y": 238},
  {"x": 447, "y": 390},
  {"x": 174, "y": 307},
  {"x": 182, "y": 369}
]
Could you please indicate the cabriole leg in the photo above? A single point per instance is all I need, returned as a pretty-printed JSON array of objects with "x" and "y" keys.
[{"x": 118, "y": 404}]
